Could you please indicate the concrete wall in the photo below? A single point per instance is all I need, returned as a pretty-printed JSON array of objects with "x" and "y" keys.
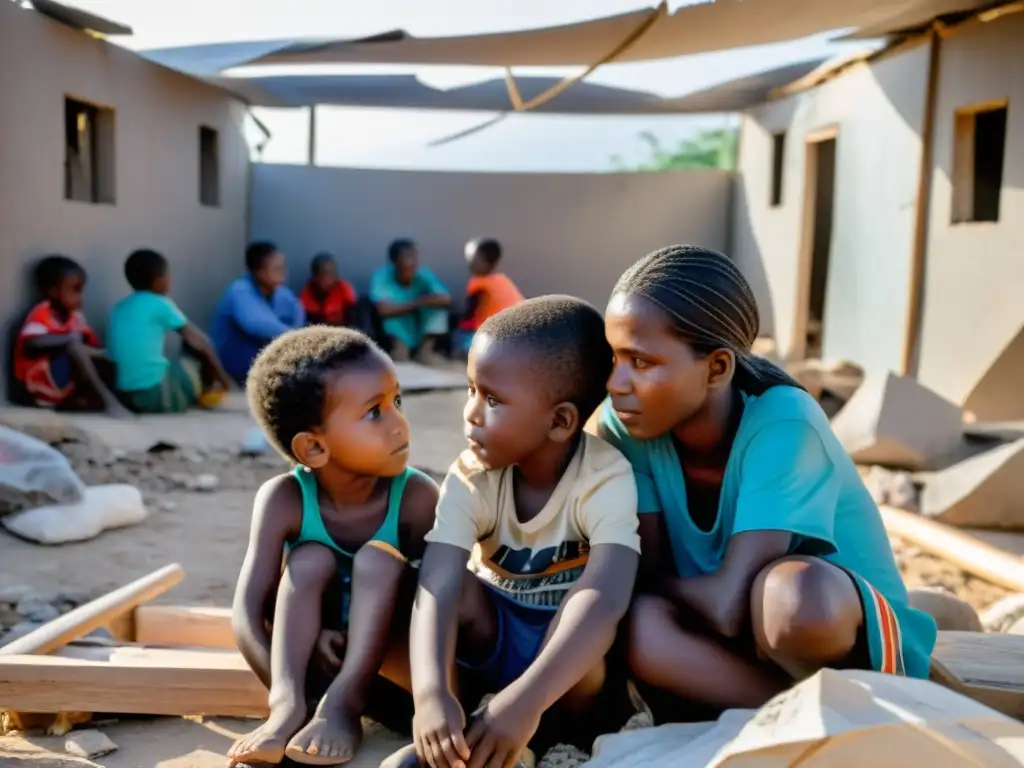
[
  {"x": 878, "y": 111},
  {"x": 156, "y": 156},
  {"x": 562, "y": 233},
  {"x": 972, "y": 347}
]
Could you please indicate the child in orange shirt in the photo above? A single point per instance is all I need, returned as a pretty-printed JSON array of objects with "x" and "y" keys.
[{"x": 488, "y": 290}]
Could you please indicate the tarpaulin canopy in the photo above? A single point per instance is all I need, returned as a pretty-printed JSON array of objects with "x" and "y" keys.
[
  {"x": 79, "y": 19},
  {"x": 408, "y": 92},
  {"x": 700, "y": 28}
]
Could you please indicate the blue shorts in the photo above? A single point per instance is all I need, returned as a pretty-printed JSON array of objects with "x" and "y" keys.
[{"x": 521, "y": 633}]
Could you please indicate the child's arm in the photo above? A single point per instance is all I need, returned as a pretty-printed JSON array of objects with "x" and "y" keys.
[
  {"x": 200, "y": 343},
  {"x": 789, "y": 490},
  {"x": 47, "y": 344},
  {"x": 436, "y": 294},
  {"x": 439, "y": 721},
  {"x": 723, "y": 597},
  {"x": 253, "y": 314},
  {"x": 583, "y": 631},
  {"x": 276, "y": 519},
  {"x": 472, "y": 302}
]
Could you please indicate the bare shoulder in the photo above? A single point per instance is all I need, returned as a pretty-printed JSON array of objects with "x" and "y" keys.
[
  {"x": 278, "y": 506},
  {"x": 420, "y": 498},
  {"x": 416, "y": 514}
]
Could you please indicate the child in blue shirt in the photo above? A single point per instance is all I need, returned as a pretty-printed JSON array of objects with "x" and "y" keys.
[
  {"x": 764, "y": 556},
  {"x": 254, "y": 310},
  {"x": 146, "y": 379}
]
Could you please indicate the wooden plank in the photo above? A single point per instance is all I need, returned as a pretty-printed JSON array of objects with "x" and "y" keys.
[
  {"x": 133, "y": 680},
  {"x": 962, "y": 550},
  {"x": 98, "y": 613},
  {"x": 987, "y": 667},
  {"x": 184, "y": 625}
]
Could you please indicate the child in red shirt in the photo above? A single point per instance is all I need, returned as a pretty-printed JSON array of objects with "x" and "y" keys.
[
  {"x": 327, "y": 299},
  {"x": 56, "y": 351}
]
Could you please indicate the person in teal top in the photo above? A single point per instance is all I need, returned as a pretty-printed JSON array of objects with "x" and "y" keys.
[
  {"x": 331, "y": 544},
  {"x": 764, "y": 557},
  {"x": 145, "y": 378},
  {"x": 412, "y": 303}
]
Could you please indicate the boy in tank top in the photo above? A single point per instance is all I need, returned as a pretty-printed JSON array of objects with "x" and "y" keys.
[{"x": 332, "y": 540}]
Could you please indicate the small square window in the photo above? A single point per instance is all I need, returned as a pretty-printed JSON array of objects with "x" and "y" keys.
[
  {"x": 209, "y": 166},
  {"x": 88, "y": 152},
  {"x": 978, "y": 152},
  {"x": 778, "y": 158}
]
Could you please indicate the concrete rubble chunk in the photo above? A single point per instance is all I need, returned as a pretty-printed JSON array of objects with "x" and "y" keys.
[
  {"x": 984, "y": 491},
  {"x": 948, "y": 610},
  {"x": 896, "y": 422},
  {"x": 88, "y": 744}
]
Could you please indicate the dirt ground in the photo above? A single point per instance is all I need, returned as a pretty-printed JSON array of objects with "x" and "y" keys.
[{"x": 206, "y": 533}]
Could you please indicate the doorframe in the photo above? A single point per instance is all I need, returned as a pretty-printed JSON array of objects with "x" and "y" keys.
[{"x": 805, "y": 258}]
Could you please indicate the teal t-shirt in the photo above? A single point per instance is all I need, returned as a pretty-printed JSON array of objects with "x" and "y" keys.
[
  {"x": 135, "y": 338},
  {"x": 786, "y": 471},
  {"x": 408, "y": 328}
]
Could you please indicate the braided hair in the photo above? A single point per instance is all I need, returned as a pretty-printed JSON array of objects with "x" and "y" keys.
[{"x": 710, "y": 306}]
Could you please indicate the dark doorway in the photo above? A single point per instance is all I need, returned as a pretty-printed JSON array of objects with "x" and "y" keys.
[{"x": 822, "y": 156}]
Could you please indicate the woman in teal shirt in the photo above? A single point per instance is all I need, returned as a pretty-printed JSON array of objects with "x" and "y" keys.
[{"x": 764, "y": 556}]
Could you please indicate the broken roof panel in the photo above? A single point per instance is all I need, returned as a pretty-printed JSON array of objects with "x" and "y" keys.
[
  {"x": 700, "y": 28},
  {"x": 79, "y": 19},
  {"x": 408, "y": 92}
]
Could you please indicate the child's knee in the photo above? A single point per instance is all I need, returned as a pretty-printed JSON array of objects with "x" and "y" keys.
[
  {"x": 647, "y": 619},
  {"x": 311, "y": 565},
  {"x": 379, "y": 567}
]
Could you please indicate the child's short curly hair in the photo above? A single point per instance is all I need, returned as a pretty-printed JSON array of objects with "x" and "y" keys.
[
  {"x": 565, "y": 337},
  {"x": 287, "y": 384}
]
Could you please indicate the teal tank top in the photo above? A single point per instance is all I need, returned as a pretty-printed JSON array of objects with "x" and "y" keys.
[{"x": 314, "y": 530}]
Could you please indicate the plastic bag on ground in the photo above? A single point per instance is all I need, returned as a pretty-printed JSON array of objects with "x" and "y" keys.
[
  {"x": 104, "y": 507},
  {"x": 32, "y": 474}
]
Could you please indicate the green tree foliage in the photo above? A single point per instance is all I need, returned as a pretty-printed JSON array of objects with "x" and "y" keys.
[{"x": 708, "y": 149}]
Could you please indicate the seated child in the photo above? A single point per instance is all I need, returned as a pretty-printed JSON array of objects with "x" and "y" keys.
[
  {"x": 146, "y": 379},
  {"x": 348, "y": 519},
  {"x": 328, "y": 299},
  {"x": 57, "y": 357},
  {"x": 549, "y": 513},
  {"x": 487, "y": 292}
]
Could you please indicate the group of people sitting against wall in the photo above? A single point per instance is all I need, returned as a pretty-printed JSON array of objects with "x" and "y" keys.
[{"x": 60, "y": 362}]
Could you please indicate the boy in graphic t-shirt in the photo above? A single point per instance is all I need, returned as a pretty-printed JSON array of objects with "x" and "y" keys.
[{"x": 549, "y": 516}]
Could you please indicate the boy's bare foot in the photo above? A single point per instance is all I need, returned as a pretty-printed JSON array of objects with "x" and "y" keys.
[
  {"x": 330, "y": 738},
  {"x": 267, "y": 743}
]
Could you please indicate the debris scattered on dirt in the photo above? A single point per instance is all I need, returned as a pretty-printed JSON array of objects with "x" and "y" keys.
[
  {"x": 920, "y": 569},
  {"x": 88, "y": 744}
]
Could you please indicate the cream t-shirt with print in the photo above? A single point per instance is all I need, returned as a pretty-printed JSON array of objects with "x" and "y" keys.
[{"x": 537, "y": 562}]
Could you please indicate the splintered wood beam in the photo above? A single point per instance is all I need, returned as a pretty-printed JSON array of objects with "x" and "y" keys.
[
  {"x": 133, "y": 680},
  {"x": 956, "y": 547},
  {"x": 184, "y": 625},
  {"x": 96, "y": 614}
]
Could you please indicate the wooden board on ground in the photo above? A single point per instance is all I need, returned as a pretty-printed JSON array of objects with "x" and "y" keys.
[
  {"x": 184, "y": 625},
  {"x": 986, "y": 667},
  {"x": 133, "y": 680}
]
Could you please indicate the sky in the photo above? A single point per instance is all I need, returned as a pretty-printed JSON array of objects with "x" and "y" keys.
[{"x": 399, "y": 138}]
